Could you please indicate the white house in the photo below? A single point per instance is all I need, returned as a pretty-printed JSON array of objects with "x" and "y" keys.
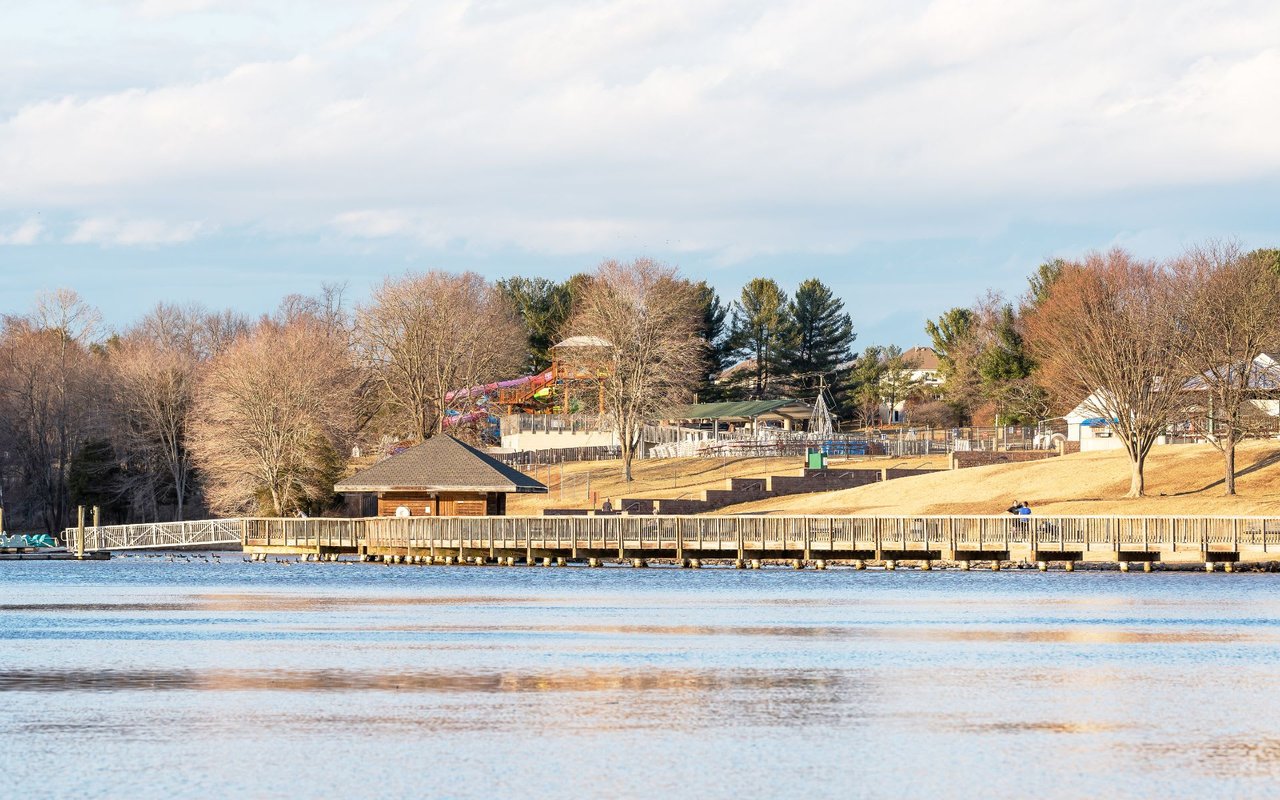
[
  {"x": 925, "y": 367},
  {"x": 925, "y": 373},
  {"x": 1087, "y": 425},
  {"x": 1092, "y": 431}
]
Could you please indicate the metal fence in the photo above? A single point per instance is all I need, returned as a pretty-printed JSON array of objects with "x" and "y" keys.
[
  {"x": 564, "y": 455},
  {"x": 552, "y": 423}
]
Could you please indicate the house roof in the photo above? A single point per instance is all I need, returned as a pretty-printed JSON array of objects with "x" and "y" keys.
[
  {"x": 924, "y": 358},
  {"x": 1262, "y": 374},
  {"x": 744, "y": 409},
  {"x": 741, "y": 368},
  {"x": 440, "y": 464}
]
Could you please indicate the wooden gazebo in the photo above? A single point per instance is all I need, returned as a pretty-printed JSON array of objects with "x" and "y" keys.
[{"x": 440, "y": 477}]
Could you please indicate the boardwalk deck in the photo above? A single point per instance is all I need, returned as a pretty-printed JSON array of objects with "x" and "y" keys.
[{"x": 960, "y": 538}]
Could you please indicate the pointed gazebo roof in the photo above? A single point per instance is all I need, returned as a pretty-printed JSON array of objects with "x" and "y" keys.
[{"x": 440, "y": 464}]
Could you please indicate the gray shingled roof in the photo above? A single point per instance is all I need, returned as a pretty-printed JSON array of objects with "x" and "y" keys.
[{"x": 440, "y": 464}]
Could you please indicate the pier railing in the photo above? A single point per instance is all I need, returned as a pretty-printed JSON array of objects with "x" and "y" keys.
[
  {"x": 777, "y": 533},
  {"x": 160, "y": 535},
  {"x": 728, "y": 534}
]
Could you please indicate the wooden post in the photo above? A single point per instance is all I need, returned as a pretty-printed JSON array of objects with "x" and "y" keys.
[{"x": 80, "y": 532}]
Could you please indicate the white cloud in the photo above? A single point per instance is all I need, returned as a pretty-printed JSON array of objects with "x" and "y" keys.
[
  {"x": 111, "y": 231},
  {"x": 735, "y": 128},
  {"x": 26, "y": 232}
]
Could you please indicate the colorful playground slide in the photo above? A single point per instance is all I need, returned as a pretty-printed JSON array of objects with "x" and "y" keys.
[
  {"x": 537, "y": 382},
  {"x": 538, "y": 386}
]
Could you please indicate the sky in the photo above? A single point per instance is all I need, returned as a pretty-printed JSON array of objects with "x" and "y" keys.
[{"x": 912, "y": 155}]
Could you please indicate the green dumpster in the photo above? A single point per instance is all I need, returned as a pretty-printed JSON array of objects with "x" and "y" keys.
[{"x": 817, "y": 460}]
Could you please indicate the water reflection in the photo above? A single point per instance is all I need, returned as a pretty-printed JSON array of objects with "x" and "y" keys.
[
  {"x": 1233, "y": 756},
  {"x": 155, "y": 680},
  {"x": 333, "y": 680}
]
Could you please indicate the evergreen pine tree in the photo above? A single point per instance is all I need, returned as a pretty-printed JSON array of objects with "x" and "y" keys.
[
  {"x": 1004, "y": 365},
  {"x": 762, "y": 332},
  {"x": 544, "y": 306},
  {"x": 823, "y": 334},
  {"x": 715, "y": 334}
]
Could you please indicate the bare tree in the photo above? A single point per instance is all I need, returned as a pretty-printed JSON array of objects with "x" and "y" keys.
[
  {"x": 1108, "y": 331},
  {"x": 641, "y": 320},
  {"x": 50, "y": 402},
  {"x": 153, "y": 391},
  {"x": 425, "y": 337},
  {"x": 1232, "y": 314},
  {"x": 154, "y": 372},
  {"x": 218, "y": 330},
  {"x": 327, "y": 309},
  {"x": 274, "y": 418}
]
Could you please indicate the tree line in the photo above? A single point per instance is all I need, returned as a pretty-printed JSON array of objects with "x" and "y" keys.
[
  {"x": 1148, "y": 346},
  {"x": 189, "y": 411}
]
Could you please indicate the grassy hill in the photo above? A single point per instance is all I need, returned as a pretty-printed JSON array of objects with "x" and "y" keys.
[
  {"x": 672, "y": 478},
  {"x": 1181, "y": 479}
]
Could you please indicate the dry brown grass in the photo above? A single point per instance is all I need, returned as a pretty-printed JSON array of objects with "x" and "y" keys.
[
  {"x": 1181, "y": 479},
  {"x": 674, "y": 478}
]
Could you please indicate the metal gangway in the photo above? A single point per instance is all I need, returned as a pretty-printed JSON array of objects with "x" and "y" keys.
[{"x": 156, "y": 535}]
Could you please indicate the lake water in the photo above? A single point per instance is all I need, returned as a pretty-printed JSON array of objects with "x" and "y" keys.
[{"x": 146, "y": 678}]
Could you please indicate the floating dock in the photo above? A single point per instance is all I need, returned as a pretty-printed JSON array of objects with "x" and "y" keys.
[{"x": 50, "y": 554}]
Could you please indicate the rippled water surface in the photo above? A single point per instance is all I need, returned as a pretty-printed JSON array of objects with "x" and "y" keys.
[{"x": 149, "y": 678}]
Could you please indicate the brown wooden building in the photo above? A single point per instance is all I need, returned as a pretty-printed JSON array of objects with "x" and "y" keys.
[{"x": 440, "y": 477}]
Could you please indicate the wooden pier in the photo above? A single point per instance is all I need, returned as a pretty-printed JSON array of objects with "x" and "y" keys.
[{"x": 691, "y": 540}]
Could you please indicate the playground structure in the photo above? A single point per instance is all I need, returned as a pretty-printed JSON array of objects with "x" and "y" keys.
[{"x": 560, "y": 389}]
